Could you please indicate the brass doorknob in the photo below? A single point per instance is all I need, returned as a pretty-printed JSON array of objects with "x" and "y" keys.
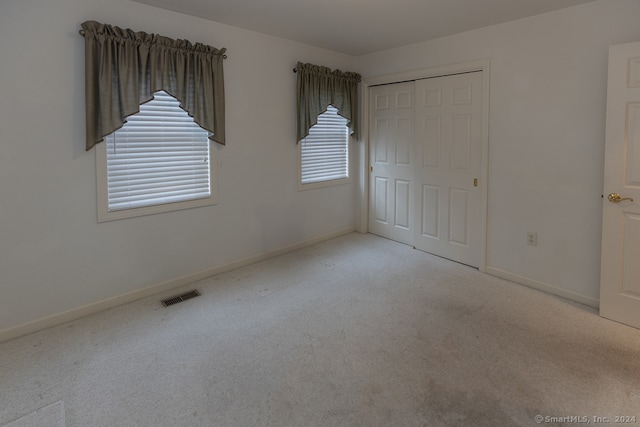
[{"x": 616, "y": 198}]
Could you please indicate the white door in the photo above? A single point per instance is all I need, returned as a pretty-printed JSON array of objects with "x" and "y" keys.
[
  {"x": 620, "y": 264},
  {"x": 391, "y": 149},
  {"x": 447, "y": 168}
]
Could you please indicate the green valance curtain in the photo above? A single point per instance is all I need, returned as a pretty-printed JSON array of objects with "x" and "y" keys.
[
  {"x": 317, "y": 88},
  {"x": 123, "y": 69}
]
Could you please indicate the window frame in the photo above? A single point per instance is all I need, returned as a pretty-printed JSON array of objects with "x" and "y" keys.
[
  {"x": 325, "y": 183},
  {"x": 104, "y": 214}
]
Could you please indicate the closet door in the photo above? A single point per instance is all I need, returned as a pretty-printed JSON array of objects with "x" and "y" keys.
[
  {"x": 448, "y": 151},
  {"x": 391, "y": 139}
]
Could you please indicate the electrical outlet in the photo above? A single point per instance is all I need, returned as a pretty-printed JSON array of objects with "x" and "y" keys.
[{"x": 532, "y": 238}]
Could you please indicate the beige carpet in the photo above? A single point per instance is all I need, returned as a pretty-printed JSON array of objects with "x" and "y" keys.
[
  {"x": 49, "y": 416},
  {"x": 355, "y": 331}
]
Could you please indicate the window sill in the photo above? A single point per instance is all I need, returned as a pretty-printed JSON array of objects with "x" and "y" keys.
[{"x": 323, "y": 184}]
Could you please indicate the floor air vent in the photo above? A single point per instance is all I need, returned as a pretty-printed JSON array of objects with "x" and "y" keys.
[{"x": 179, "y": 298}]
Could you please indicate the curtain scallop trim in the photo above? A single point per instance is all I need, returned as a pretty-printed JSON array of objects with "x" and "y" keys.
[{"x": 123, "y": 69}]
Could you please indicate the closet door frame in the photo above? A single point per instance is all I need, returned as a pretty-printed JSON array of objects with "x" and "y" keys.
[{"x": 464, "y": 67}]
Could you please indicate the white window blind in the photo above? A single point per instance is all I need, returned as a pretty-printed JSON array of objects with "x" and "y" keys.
[
  {"x": 325, "y": 151},
  {"x": 159, "y": 156}
]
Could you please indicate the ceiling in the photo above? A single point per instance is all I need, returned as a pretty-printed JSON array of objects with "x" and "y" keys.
[{"x": 358, "y": 27}]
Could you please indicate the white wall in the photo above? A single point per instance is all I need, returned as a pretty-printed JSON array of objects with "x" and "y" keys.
[
  {"x": 54, "y": 256},
  {"x": 547, "y": 127}
]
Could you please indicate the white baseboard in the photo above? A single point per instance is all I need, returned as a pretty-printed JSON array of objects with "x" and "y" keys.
[
  {"x": 76, "y": 313},
  {"x": 573, "y": 296}
]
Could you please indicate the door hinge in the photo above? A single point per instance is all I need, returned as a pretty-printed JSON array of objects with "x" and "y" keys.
[{"x": 475, "y": 182}]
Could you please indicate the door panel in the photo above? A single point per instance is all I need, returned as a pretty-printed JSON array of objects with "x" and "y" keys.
[
  {"x": 403, "y": 201},
  {"x": 380, "y": 197},
  {"x": 458, "y": 216},
  {"x": 449, "y": 144},
  {"x": 460, "y": 142},
  {"x": 631, "y": 276},
  {"x": 381, "y": 140},
  {"x": 429, "y": 212},
  {"x": 620, "y": 269},
  {"x": 632, "y": 145},
  {"x": 404, "y": 141},
  {"x": 391, "y": 112}
]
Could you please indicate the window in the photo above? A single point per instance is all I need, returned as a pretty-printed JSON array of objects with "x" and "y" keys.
[
  {"x": 159, "y": 161},
  {"x": 324, "y": 153}
]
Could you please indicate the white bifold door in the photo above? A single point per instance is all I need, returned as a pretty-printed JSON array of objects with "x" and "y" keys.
[{"x": 426, "y": 160}]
